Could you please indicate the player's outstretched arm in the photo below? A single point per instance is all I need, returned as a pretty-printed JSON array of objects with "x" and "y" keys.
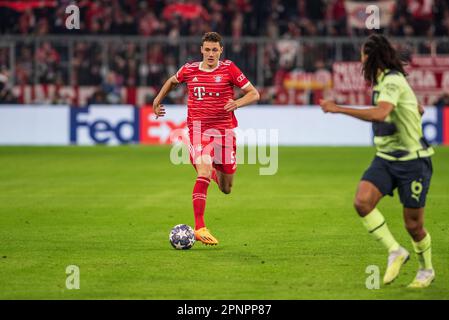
[
  {"x": 158, "y": 108},
  {"x": 372, "y": 114},
  {"x": 251, "y": 96}
]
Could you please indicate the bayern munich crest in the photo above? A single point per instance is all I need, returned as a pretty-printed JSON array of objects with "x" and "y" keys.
[{"x": 217, "y": 78}]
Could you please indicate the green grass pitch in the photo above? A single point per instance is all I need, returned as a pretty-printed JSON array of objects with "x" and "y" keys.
[{"x": 109, "y": 210}]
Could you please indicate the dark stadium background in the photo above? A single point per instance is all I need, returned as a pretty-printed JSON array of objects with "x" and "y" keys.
[{"x": 287, "y": 48}]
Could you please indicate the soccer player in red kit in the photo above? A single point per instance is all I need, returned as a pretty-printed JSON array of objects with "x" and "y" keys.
[{"x": 210, "y": 119}]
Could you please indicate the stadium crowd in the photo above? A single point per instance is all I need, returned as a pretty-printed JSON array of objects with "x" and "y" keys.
[
  {"x": 94, "y": 63},
  {"x": 181, "y": 18},
  {"x": 270, "y": 18}
]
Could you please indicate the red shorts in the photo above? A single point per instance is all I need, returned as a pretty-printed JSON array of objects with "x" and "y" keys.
[{"x": 221, "y": 149}]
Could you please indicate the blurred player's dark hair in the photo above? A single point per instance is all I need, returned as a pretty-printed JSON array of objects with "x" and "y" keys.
[
  {"x": 212, "y": 37},
  {"x": 381, "y": 56}
]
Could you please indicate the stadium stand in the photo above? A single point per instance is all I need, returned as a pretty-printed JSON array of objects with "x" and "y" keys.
[{"x": 139, "y": 43}]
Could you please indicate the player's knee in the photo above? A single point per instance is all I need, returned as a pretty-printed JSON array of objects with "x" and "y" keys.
[
  {"x": 363, "y": 205},
  {"x": 204, "y": 171}
]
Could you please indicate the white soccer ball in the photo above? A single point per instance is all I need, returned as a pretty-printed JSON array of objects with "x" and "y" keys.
[{"x": 182, "y": 237}]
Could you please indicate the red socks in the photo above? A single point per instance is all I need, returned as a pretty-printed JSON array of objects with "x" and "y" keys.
[{"x": 199, "y": 195}]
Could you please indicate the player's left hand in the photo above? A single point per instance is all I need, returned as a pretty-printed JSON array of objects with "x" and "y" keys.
[
  {"x": 328, "y": 106},
  {"x": 231, "y": 105}
]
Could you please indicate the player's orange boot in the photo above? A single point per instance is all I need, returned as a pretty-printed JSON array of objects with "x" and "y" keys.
[{"x": 205, "y": 237}]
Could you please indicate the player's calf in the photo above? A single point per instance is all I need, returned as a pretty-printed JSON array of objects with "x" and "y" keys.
[
  {"x": 225, "y": 182},
  {"x": 414, "y": 223},
  {"x": 226, "y": 189},
  {"x": 416, "y": 231}
]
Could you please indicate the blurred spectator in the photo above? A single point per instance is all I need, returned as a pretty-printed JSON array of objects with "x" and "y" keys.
[
  {"x": 24, "y": 65},
  {"x": 443, "y": 100},
  {"x": 6, "y": 95},
  {"x": 4, "y": 58},
  {"x": 422, "y": 13},
  {"x": 111, "y": 89},
  {"x": 27, "y": 22},
  {"x": 47, "y": 62},
  {"x": 61, "y": 98},
  {"x": 98, "y": 97},
  {"x": 86, "y": 63},
  {"x": 336, "y": 18},
  {"x": 155, "y": 62}
]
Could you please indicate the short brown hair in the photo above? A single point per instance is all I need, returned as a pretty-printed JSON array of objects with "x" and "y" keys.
[{"x": 212, "y": 37}]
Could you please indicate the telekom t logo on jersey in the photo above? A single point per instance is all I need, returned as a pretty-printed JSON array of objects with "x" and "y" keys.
[{"x": 200, "y": 92}]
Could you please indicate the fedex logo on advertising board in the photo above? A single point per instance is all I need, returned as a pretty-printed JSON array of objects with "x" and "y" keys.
[
  {"x": 163, "y": 130},
  {"x": 104, "y": 125},
  {"x": 114, "y": 125},
  {"x": 125, "y": 125}
]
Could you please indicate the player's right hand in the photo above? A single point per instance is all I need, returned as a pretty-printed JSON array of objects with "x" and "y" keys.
[
  {"x": 159, "y": 110},
  {"x": 328, "y": 106}
]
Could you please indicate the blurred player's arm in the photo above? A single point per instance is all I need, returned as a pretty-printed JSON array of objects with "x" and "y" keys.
[
  {"x": 373, "y": 114},
  {"x": 251, "y": 96},
  {"x": 159, "y": 108}
]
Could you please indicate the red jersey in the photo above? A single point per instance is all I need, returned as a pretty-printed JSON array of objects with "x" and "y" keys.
[{"x": 208, "y": 93}]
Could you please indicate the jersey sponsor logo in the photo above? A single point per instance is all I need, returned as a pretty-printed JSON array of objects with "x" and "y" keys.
[
  {"x": 199, "y": 92},
  {"x": 241, "y": 77},
  {"x": 195, "y": 79}
]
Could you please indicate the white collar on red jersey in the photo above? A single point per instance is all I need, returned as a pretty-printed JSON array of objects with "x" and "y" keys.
[{"x": 209, "y": 70}]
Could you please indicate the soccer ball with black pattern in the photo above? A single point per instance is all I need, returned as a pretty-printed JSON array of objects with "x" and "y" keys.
[{"x": 182, "y": 237}]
